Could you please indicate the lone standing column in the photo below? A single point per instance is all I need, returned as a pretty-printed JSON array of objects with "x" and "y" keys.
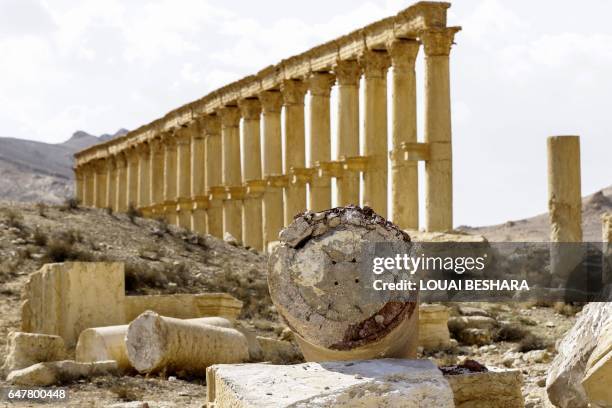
[
  {"x": 214, "y": 190},
  {"x": 111, "y": 183},
  {"x": 132, "y": 176},
  {"x": 252, "y": 226},
  {"x": 347, "y": 77},
  {"x": 121, "y": 189},
  {"x": 320, "y": 84},
  {"x": 375, "y": 64},
  {"x": 438, "y": 169},
  {"x": 183, "y": 181},
  {"x": 293, "y": 92},
  {"x": 170, "y": 178},
  {"x": 144, "y": 162},
  {"x": 156, "y": 177},
  {"x": 404, "y": 174},
  {"x": 230, "y": 145},
  {"x": 198, "y": 179},
  {"x": 272, "y": 205}
]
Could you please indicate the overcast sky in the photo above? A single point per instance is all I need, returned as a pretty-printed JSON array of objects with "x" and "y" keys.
[{"x": 521, "y": 71}]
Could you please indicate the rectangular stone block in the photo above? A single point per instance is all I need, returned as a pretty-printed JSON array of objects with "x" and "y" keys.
[
  {"x": 490, "y": 389},
  {"x": 184, "y": 306},
  {"x": 366, "y": 383},
  {"x": 67, "y": 298},
  {"x": 433, "y": 327}
]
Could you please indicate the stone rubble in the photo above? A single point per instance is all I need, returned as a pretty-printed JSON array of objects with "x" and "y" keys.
[{"x": 26, "y": 349}]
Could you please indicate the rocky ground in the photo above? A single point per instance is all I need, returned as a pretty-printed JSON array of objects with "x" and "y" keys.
[{"x": 163, "y": 259}]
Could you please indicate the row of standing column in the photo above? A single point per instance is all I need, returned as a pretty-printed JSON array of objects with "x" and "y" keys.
[{"x": 197, "y": 177}]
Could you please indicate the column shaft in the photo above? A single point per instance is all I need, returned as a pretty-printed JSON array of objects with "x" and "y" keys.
[
  {"x": 99, "y": 184},
  {"x": 295, "y": 152},
  {"x": 111, "y": 183},
  {"x": 214, "y": 213},
  {"x": 156, "y": 172},
  {"x": 252, "y": 225},
  {"x": 121, "y": 189},
  {"x": 438, "y": 169},
  {"x": 232, "y": 179},
  {"x": 170, "y": 178},
  {"x": 347, "y": 76},
  {"x": 183, "y": 174},
  {"x": 198, "y": 179},
  {"x": 78, "y": 184},
  {"x": 88, "y": 187},
  {"x": 320, "y": 138},
  {"x": 272, "y": 204},
  {"x": 375, "y": 64},
  {"x": 144, "y": 156},
  {"x": 404, "y": 174}
]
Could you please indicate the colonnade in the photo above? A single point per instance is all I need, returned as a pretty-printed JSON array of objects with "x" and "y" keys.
[{"x": 224, "y": 170}]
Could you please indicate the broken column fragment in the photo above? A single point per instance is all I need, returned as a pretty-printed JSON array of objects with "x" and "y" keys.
[
  {"x": 317, "y": 284},
  {"x": 156, "y": 342},
  {"x": 59, "y": 372},
  {"x": 26, "y": 349},
  {"x": 108, "y": 343}
]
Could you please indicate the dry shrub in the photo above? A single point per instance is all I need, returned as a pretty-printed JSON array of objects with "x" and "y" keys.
[
  {"x": 42, "y": 209},
  {"x": 126, "y": 393},
  {"x": 133, "y": 213},
  {"x": 532, "y": 342},
  {"x": 139, "y": 276},
  {"x": 14, "y": 219},
  {"x": 63, "y": 248},
  {"x": 511, "y": 332},
  {"x": 71, "y": 204},
  {"x": 40, "y": 238},
  {"x": 566, "y": 309}
]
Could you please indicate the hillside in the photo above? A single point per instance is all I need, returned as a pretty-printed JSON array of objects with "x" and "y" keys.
[
  {"x": 537, "y": 229},
  {"x": 36, "y": 171}
]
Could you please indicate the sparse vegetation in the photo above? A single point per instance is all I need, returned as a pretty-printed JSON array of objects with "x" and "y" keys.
[
  {"x": 14, "y": 219},
  {"x": 42, "y": 209},
  {"x": 133, "y": 213},
  {"x": 532, "y": 342},
  {"x": 40, "y": 238},
  {"x": 511, "y": 332},
  {"x": 71, "y": 204}
]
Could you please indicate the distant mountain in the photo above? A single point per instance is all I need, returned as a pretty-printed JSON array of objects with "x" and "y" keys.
[
  {"x": 537, "y": 229},
  {"x": 37, "y": 171}
]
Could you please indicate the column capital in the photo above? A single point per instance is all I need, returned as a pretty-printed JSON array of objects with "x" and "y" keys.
[
  {"x": 194, "y": 129},
  {"x": 120, "y": 159},
  {"x": 132, "y": 154},
  {"x": 110, "y": 163},
  {"x": 438, "y": 41},
  {"x": 230, "y": 116},
  {"x": 183, "y": 136},
  {"x": 156, "y": 145},
  {"x": 293, "y": 91},
  {"x": 98, "y": 166},
  {"x": 143, "y": 149},
  {"x": 375, "y": 63},
  {"x": 250, "y": 109},
  {"x": 271, "y": 101},
  {"x": 347, "y": 72},
  {"x": 211, "y": 125},
  {"x": 169, "y": 139},
  {"x": 320, "y": 83},
  {"x": 403, "y": 53}
]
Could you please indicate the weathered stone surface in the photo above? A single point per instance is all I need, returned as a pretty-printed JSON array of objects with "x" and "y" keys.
[
  {"x": 278, "y": 351},
  {"x": 566, "y": 373},
  {"x": 315, "y": 285},
  {"x": 472, "y": 336},
  {"x": 490, "y": 389},
  {"x": 597, "y": 381},
  {"x": 459, "y": 323},
  {"x": 108, "y": 343},
  {"x": 433, "y": 327},
  {"x": 58, "y": 372},
  {"x": 157, "y": 342},
  {"x": 66, "y": 298},
  {"x": 184, "y": 306},
  {"x": 371, "y": 383},
  {"x": 26, "y": 349}
]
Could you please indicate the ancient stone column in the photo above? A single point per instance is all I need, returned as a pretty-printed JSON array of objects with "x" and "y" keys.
[
  {"x": 375, "y": 64},
  {"x": 99, "y": 184},
  {"x": 272, "y": 205},
  {"x": 183, "y": 181},
  {"x": 293, "y": 92},
  {"x": 214, "y": 190},
  {"x": 438, "y": 169},
  {"x": 198, "y": 178},
  {"x": 321, "y": 282},
  {"x": 132, "y": 176},
  {"x": 170, "y": 190},
  {"x": 156, "y": 175},
  {"x": 88, "y": 185},
  {"x": 252, "y": 225},
  {"x": 232, "y": 178},
  {"x": 564, "y": 207},
  {"x": 320, "y": 84},
  {"x": 347, "y": 77},
  {"x": 564, "y": 190},
  {"x": 111, "y": 183},
  {"x": 144, "y": 153},
  {"x": 121, "y": 182},
  {"x": 404, "y": 174},
  {"x": 78, "y": 183}
]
